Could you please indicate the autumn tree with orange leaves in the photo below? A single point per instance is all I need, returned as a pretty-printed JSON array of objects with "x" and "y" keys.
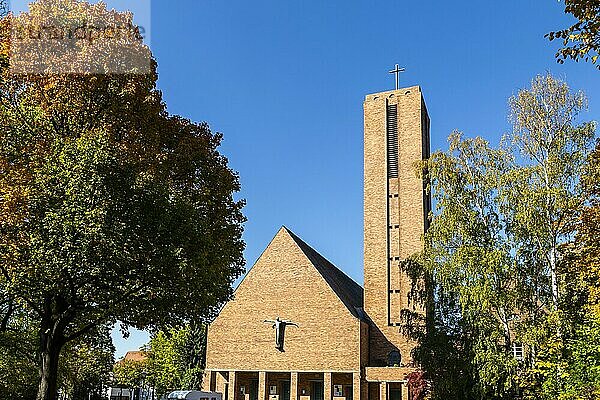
[{"x": 110, "y": 208}]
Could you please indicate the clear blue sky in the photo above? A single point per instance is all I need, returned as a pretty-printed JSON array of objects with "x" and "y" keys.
[{"x": 285, "y": 80}]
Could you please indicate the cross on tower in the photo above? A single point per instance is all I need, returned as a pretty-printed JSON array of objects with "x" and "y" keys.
[{"x": 396, "y": 71}]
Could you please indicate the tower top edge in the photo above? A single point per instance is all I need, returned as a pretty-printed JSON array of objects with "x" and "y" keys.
[{"x": 388, "y": 93}]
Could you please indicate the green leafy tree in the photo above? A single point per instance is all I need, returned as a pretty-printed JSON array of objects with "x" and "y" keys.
[
  {"x": 546, "y": 199},
  {"x": 582, "y": 375},
  {"x": 468, "y": 257},
  {"x": 581, "y": 41},
  {"x": 176, "y": 358},
  {"x": 83, "y": 367},
  {"x": 110, "y": 208},
  {"x": 18, "y": 349},
  {"x": 131, "y": 373},
  {"x": 86, "y": 364},
  {"x": 495, "y": 255},
  {"x": 194, "y": 355},
  {"x": 166, "y": 361}
]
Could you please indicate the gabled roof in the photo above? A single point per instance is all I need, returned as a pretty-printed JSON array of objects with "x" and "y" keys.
[
  {"x": 348, "y": 291},
  {"x": 134, "y": 356}
]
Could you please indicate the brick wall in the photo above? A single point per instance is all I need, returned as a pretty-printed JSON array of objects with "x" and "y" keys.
[
  {"x": 394, "y": 216},
  {"x": 284, "y": 283}
]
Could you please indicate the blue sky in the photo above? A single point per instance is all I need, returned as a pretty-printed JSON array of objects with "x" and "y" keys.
[{"x": 284, "y": 82}]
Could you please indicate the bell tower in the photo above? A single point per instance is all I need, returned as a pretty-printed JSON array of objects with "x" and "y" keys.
[{"x": 396, "y": 208}]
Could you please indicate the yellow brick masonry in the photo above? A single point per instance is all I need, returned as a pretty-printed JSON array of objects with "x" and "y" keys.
[
  {"x": 332, "y": 345},
  {"x": 403, "y": 199},
  {"x": 284, "y": 283}
]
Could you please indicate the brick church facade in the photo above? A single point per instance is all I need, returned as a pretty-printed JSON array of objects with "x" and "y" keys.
[{"x": 349, "y": 342}]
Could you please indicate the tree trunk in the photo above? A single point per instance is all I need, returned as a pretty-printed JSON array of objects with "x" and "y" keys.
[{"x": 50, "y": 353}]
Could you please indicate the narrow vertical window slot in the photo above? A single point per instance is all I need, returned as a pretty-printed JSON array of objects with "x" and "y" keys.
[{"x": 392, "y": 140}]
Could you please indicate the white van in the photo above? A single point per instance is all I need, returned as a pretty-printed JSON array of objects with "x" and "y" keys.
[{"x": 194, "y": 395}]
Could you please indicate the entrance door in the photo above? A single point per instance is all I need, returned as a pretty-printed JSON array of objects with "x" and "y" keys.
[
  {"x": 349, "y": 393},
  {"x": 316, "y": 392},
  {"x": 253, "y": 389},
  {"x": 285, "y": 390},
  {"x": 396, "y": 394}
]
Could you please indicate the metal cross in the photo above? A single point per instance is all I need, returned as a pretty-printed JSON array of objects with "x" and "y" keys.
[{"x": 397, "y": 71}]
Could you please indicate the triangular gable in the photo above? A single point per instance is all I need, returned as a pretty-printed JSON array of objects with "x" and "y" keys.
[
  {"x": 292, "y": 281},
  {"x": 347, "y": 290},
  {"x": 350, "y": 292}
]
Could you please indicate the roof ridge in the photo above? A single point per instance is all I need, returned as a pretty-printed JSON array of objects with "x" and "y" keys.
[{"x": 345, "y": 288}]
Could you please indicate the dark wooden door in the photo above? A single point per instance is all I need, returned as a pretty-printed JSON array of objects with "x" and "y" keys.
[
  {"x": 253, "y": 390},
  {"x": 316, "y": 392},
  {"x": 285, "y": 390}
]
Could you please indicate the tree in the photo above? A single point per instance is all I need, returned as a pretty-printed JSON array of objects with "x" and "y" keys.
[
  {"x": 86, "y": 364},
  {"x": 194, "y": 355},
  {"x": 166, "y": 361},
  {"x": 111, "y": 209},
  {"x": 547, "y": 199},
  {"x": 131, "y": 373},
  {"x": 18, "y": 349},
  {"x": 581, "y": 41},
  {"x": 582, "y": 378},
  {"x": 467, "y": 254},
  {"x": 496, "y": 252},
  {"x": 417, "y": 385},
  {"x": 176, "y": 358}
]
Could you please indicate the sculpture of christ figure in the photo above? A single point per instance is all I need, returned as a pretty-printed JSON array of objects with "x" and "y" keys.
[{"x": 279, "y": 326}]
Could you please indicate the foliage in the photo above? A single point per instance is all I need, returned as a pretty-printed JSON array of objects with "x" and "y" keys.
[
  {"x": 86, "y": 364},
  {"x": 468, "y": 257},
  {"x": 417, "y": 385},
  {"x": 110, "y": 209},
  {"x": 496, "y": 251},
  {"x": 582, "y": 376},
  {"x": 176, "y": 358},
  {"x": 194, "y": 355},
  {"x": 130, "y": 373},
  {"x": 547, "y": 199},
  {"x": 588, "y": 235},
  {"x": 18, "y": 345},
  {"x": 581, "y": 41}
]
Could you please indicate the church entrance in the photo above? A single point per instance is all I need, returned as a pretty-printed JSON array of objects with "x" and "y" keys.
[
  {"x": 253, "y": 389},
  {"x": 316, "y": 392},
  {"x": 395, "y": 394},
  {"x": 285, "y": 390}
]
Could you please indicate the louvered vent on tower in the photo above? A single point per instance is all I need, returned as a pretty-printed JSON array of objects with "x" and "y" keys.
[{"x": 392, "y": 140}]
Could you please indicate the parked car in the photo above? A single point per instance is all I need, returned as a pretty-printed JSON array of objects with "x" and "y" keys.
[{"x": 194, "y": 395}]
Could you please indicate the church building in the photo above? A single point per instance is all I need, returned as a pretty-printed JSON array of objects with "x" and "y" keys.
[{"x": 298, "y": 328}]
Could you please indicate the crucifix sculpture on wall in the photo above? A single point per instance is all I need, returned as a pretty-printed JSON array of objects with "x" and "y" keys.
[{"x": 279, "y": 326}]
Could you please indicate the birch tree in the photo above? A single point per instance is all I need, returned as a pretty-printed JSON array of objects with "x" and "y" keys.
[{"x": 496, "y": 246}]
